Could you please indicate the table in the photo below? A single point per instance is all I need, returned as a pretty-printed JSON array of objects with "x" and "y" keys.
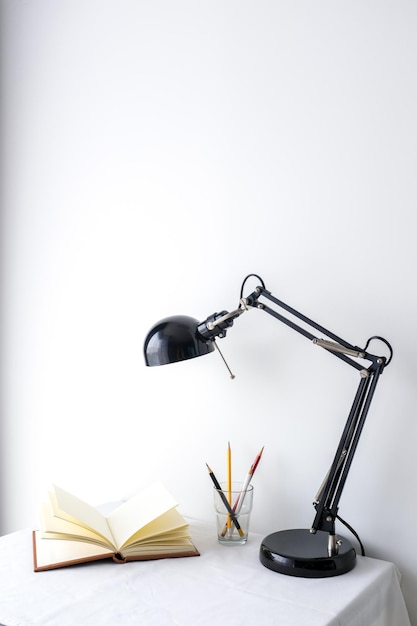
[{"x": 226, "y": 585}]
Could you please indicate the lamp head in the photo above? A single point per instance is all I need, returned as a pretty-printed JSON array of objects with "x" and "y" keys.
[
  {"x": 175, "y": 339},
  {"x": 181, "y": 337}
]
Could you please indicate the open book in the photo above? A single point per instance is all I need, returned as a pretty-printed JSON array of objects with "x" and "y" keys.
[{"x": 148, "y": 526}]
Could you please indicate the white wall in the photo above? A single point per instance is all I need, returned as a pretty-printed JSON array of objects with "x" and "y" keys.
[{"x": 154, "y": 154}]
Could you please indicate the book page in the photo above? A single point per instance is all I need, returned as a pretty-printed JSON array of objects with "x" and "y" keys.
[
  {"x": 167, "y": 526},
  {"x": 139, "y": 511},
  {"x": 174, "y": 548},
  {"x": 69, "y": 507},
  {"x": 57, "y": 553},
  {"x": 53, "y": 527}
]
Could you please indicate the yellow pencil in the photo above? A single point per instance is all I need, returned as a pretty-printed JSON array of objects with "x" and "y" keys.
[{"x": 229, "y": 484}]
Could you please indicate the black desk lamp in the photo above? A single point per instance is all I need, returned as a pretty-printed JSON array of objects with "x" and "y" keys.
[{"x": 316, "y": 552}]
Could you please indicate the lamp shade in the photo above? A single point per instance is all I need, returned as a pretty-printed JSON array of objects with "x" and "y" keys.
[{"x": 175, "y": 339}]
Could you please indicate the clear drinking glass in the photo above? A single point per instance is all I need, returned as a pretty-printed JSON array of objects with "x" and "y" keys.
[{"x": 233, "y": 509}]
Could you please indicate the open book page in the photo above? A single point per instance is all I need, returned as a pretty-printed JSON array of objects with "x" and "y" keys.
[
  {"x": 140, "y": 511},
  {"x": 69, "y": 507},
  {"x": 61, "y": 552},
  {"x": 181, "y": 547},
  {"x": 57, "y": 528},
  {"x": 169, "y": 526}
]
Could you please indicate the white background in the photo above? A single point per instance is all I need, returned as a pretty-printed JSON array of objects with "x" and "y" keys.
[{"x": 154, "y": 154}]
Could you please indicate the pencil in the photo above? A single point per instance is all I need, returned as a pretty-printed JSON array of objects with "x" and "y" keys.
[
  {"x": 229, "y": 483},
  {"x": 241, "y": 497},
  {"x": 225, "y": 502}
]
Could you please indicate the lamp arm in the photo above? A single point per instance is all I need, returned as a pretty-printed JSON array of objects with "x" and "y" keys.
[
  {"x": 328, "y": 496},
  {"x": 339, "y": 348},
  {"x": 327, "y": 500}
]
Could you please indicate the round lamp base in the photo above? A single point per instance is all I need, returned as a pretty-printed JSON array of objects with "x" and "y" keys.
[{"x": 302, "y": 553}]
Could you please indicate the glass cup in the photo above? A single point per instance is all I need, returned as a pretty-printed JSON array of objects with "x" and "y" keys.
[{"x": 233, "y": 509}]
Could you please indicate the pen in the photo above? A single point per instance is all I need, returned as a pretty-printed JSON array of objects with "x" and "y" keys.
[{"x": 225, "y": 502}]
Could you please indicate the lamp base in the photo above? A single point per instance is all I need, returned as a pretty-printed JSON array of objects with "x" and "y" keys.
[{"x": 302, "y": 553}]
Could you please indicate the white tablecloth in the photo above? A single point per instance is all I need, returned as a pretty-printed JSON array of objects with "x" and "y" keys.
[{"x": 226, "y": 585}]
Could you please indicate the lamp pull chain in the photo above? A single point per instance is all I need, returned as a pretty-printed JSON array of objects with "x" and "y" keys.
[{"x": 232, "y": 376}]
